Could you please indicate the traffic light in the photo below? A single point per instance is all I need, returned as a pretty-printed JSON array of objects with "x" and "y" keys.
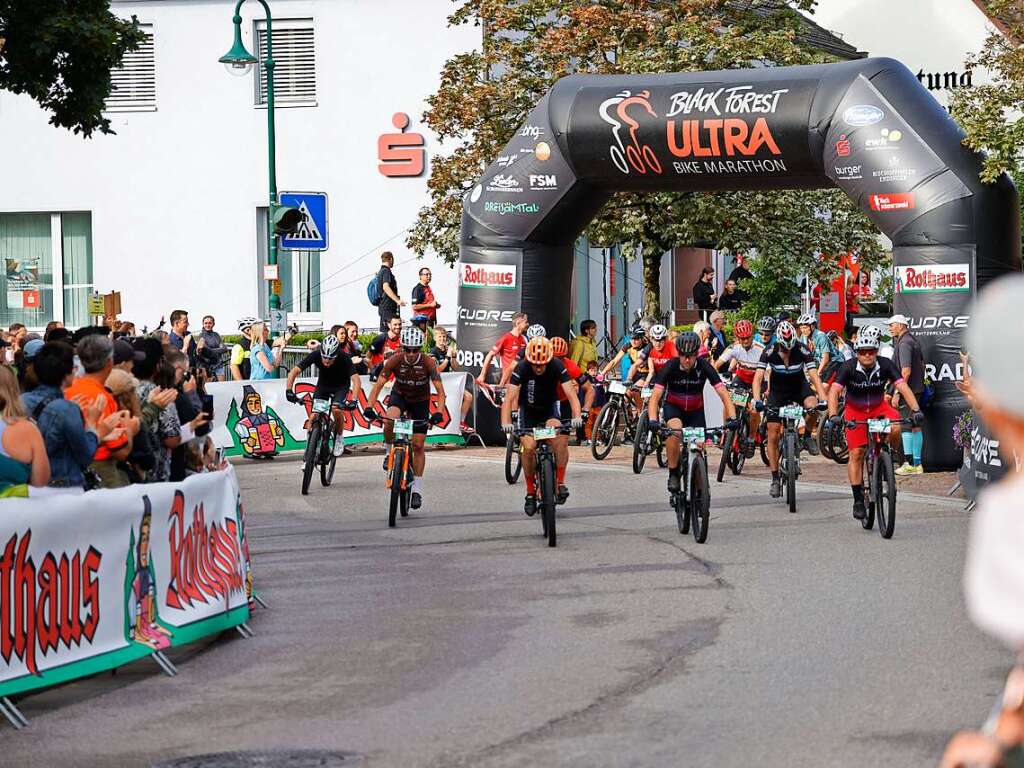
[{"x": 286, "y": 220}]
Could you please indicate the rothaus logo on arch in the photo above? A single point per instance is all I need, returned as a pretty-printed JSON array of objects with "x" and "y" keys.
[{"x": 501, "y": 276}]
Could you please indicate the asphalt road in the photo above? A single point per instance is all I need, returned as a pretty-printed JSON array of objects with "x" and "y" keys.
[{"x": 459, "y": 639}]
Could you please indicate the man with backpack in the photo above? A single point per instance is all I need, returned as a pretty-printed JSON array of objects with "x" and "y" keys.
[{"x": 382, "y": 291}]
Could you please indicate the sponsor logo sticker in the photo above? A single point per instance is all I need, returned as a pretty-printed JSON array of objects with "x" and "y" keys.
[
  {"x": 848, "y": 172},
  {"x": 532, "y": 131},
  {"x": 506, "y": 208},
  {"x": 862, "y": 114},
  {"x": 843, "y": 146},
  {"x": 887, "y": 139},
  {"x": 543, "y": 181},
  {"x": 898, "y": 201},
  {"x": 504, "y": 183},
  {"x": 502, "y": 276},
  {"x": 927, "y": 278}
]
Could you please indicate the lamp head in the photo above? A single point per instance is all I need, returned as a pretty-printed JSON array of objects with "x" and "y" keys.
[{"x": 238, "y": 61}]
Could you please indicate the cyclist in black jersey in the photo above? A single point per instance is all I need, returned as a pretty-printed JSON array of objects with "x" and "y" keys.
[
  {"x": 790, "y": 365},
  {"x": 533, "y": 389},
  {"x": 681, "y": 381},
  {"x": 336, "y": 378}
]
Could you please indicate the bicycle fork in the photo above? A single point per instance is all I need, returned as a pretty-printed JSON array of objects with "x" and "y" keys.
[{"x": 403, "y": 477}]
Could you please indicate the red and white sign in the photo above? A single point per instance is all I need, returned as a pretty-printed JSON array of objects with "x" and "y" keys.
[
  {"x": 921, "y": 278},
  {"x": 897, "y": 201},
  {"x": 843, "y": 146},
  {"x": 502, "y": 276}
]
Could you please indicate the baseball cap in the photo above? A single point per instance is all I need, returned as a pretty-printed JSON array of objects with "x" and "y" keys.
[
  {"x": 31, "y": 349},
  {"x": 901, "y": 319},
  {"x": 996, "y": 317},
  {"x": 124, "y": 352}
]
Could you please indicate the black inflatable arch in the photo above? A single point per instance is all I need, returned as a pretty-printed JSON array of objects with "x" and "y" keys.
[{"x": 867, "y": 127}]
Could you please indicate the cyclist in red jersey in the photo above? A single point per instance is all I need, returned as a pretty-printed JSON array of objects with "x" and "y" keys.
[
  {"x": 656, "y": 354},
  {"x": 742, "y": 358},
  {"x": 507, "y": 350}
]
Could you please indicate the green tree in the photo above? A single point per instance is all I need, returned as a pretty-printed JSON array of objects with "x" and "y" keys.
[
  {"x": 529, "y": 44},
  {"x": 60, "y": 53}
]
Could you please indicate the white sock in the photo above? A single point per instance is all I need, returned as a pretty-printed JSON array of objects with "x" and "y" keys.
[{"x": 417, "y": 484}]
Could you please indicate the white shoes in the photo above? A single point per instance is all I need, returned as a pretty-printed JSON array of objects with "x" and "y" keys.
[
  {"x": 907, "y": 469},
  {"x": 339, "y": 448}
]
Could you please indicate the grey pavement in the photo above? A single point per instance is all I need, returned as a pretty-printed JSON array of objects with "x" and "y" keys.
[{"x": 460, "y": 639}]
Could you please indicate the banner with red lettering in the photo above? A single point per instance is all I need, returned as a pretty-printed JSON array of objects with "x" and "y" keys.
[{"x": 94, "y": 581}]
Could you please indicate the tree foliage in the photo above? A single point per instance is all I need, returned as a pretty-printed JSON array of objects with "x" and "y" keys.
[
  {"x": 527, "y": 45},
  {"x": 60, "y": 53}
]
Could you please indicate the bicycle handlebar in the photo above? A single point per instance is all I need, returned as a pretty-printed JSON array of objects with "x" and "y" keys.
[
  {"x": 860, "y": 422},
  {"x": 565, "y": 429},
  {"x": 769, "y": 410},
  {"x": 708, "y": 431}
]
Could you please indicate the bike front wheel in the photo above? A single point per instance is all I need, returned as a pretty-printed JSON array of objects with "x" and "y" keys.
[
  {"x": 513, "y": 460},
  {"x": 547, "y": 495},
  {"x": 700, "y": 499},
  {"x": 327, "y": 464},
  {"x": 739, "y": 453},
  {"x": 396, "y": 474},
  {"x": 789, "y": 451},
  {"x": 310, "y": 456},
  {"x": 885, "y": 494},
  {"x": 727, "y": 454},
  {"x": 603, "y": 437},
  {"x": 640, "y": 444}
]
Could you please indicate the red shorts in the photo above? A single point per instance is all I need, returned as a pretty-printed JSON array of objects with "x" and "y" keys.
[{"x": 858, "y": 436}]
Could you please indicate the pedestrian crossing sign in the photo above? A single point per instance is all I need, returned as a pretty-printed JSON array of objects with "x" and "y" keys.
[{"x": 312, "y": 232}]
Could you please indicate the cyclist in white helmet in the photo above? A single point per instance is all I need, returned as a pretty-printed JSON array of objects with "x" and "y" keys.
[
  {"x": 816, "y": 341},
  {"x": 656, "y": 354},
  {"x": 336, "y": 380},
  {"x": 240, "y": 361}
]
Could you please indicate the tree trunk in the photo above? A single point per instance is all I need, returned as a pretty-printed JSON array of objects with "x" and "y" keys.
[{"x": 652, "y": 283}]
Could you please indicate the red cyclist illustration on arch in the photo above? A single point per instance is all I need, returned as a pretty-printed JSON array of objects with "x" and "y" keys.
[{"x": 640, "y": 156}]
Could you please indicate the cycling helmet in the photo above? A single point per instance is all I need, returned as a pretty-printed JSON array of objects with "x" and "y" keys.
[
  {"x": 744, "y": 329},
  {"x": 420, "y": 319},
  {"x": 639, "y": 333},
  {"x": 329, "y": 347},
  {"x": 767, "y": 325},
  {"x": 538, "y": 351},
  {"x": 658, "y": 332},
  {"x": 411, "y": 337},
  {"x": 536, "y": 330},
  {"x": 688, "y": 344},
  {"x": 559, "y": 346},
  {"x": 246, "y": 321},
  {"x": 868, "y": 338},
  {"x": 807, "y": 318},
  {"x": 785, "y": 334}
]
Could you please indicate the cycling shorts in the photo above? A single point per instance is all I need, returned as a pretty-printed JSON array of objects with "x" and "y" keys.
[
  {"x": 418, "y": 411},
  {"x": 858, "y": 436},
  {"x": 784, "y": 393},
  {"x": 530, "y": 418},
  {"x": 689, "y": 418},
  {"x": 337, "y": 395}
]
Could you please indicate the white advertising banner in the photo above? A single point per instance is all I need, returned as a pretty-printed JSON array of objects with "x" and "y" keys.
[
  {"x": 253, "y": 418},
  {"x": 93, "y": 581}
]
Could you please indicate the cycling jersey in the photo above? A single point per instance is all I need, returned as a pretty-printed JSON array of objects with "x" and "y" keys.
[
  {"x": 413, "y": 374},
  {"x": 538, "y": 393},
  {"x": 785, "y": 373},
  {"x": 659, "y": 357},
  {"x": 632, "y": 355},
  {"x": 685, "y": 389},
  {"x": 821, "y": 346},
  {"x": 574, "y": 373},
  {"x": 746, "y": 360},
  {"x": 865, "y": 389},
  {"x": 509, "y": 348},
  {"x": 333, "y": 379},
  {"x": 382, "y": 347}
]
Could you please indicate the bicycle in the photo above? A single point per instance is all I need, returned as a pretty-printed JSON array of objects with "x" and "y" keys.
[
  {"x": 734, "y": 448},
  {"x": 399, "y": 468},
  {"x": 789, "y": 454},
  {"x": 646, "y": 442},
  {"x": 545, "y": 473},
  {"x": 692, "y": 504},
  {"x": 619, "y": 408},
  {"x": 320, "y": 437},
  {"x": 879, "y": 480}
]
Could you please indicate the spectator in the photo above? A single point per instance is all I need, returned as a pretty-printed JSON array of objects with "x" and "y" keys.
[
  {"x": 908, "y": 358},
  {"x": 125, "y": 355},
  {"x": 23, "y": 460},
  {"x": 96, "y": 354},
  {"x": 18, "y": 332},
  {"x": 50, "y": 326},
  {"x": 859, "y": 291},
  {"x": 507, "y": 350},
  {"x": 384, "y": 345},
  {"x": 445, "y": 356},
  {"x": 24, "y": 364},
  {"x": 583, "y": 350},
  {"x": 423, "y": 301},
  {"x": 740, "y": 271},
  {"x": 210, "y": 350},
  {"x": 600, "y": 398},
  {"x": 127, "y": 328},
  {"x": 59, "y": 334},
  {"x": 703, "y": 330},
  {"x": 389, "y": 299},
  {"x": 124, "y": 388},
  {"x": 716, "y": 341},
  {"x": 704, "y": 293},
  {"x": 731, "y": 299},
  {"x": 423, "y": 323},
  {"x": 71, "y": 434},
  {"x": 348, "y": 335},
  {"x": 159, "y": 417},
  {"x": 241, "y": 360},
  {"x": 265, "y": 359},
  {"x": 189, "y": 406},
  {"x": 180, "y": 338}
]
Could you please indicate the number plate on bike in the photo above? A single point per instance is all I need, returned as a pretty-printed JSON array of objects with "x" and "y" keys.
[
  {"x": 617, "y": 388},
  {"x": 791, "y": 412},
  {"x": 645, "y": 393},
  {"x": 879, "y": 425},
  {"x": 321, "y": 406},
  {"x": 693, "y": 434},
  {"x": 741, "y": 398},
  {"x": 544, "y": 433},
  {"x": 403, "y": 427}
]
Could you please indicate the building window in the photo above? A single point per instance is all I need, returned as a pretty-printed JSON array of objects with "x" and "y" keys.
[
  {"x": 47, "y": 268},
  {"x": 294, "y": 63},
  {"x": 133, "y": 84}
]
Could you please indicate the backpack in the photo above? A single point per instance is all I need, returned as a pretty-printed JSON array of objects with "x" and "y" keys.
[{"x": 373, "y": 290}]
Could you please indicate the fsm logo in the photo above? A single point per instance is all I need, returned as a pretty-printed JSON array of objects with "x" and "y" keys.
[{"x": 543, "y": 181}]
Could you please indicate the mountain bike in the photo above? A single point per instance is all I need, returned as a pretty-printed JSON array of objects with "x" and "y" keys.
[
  {"x": 789, "y": 448},
  {"x": 646, "y": 441},
  {"x": 692, "y": 504},
  {"x": 545, "y": 475},
  {"x": 619, "y": 410},
  {"x": 320, "y": 443},
  {"x": 879, "y": 481},
  {"x": 734, "y": 446},
  {"x": 398, "y": 478}
]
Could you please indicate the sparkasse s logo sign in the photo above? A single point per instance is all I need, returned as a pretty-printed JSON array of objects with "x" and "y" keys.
[
  {"x": 501, "y": 276},
  {"x": 922, "y": 278}
]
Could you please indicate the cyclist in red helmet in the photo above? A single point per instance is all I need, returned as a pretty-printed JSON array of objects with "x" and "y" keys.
[{"x": 742, "y": 359}]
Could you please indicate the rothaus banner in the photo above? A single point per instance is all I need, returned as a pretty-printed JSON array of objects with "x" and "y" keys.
[
  {"x": 490, "y": 292},
  {"x": 253, "y": 418},
  {"x": 94, "y": 581}
]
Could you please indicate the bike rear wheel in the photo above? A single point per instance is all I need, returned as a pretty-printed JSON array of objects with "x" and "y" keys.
[
  {"x": 727, "y": 455},
  {"x": 513, "y": 460},
  {"x": 762, "y": 434},
  {"x": 397, "y": 465},
  {"x": 700, "y": 498},
  {"x": 661, "y": 453},
  {"x": 328, "y": 463},
  {"x": 605, "y": 427},
  {"x": 869, "y": 498},
  {"x": 640, "y": 444},
  {"x": 789, "y": 451},
  {"x": 311, "y": 455},
  {"x": 547, "y": 498},
  {"x": 885, "y": 494},
  {"x": 739, "y": 454}
]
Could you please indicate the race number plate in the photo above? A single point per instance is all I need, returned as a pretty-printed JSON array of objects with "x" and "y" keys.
[
  {"x": 403, "y": 427},
  {"x": 544, "y": 433},
  {"x": 321, "y": 406},
  {"x": 645, "y": 393},
  {"x": 879, "y": 425},
  {"x": 791, "y": 412},
  {"x": 617, "y": 388},
  {"x": 693, "y": 434},
  {"x": 740, "y": 397}
]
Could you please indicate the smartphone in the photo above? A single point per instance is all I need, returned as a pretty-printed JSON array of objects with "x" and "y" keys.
[{"x": 208, "y": 406}]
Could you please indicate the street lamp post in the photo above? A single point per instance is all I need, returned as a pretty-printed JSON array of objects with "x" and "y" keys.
[{"x": 280, "y": 219}]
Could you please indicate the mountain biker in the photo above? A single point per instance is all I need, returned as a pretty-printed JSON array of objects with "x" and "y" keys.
[
  {"x": 865, "y": 380},
  {"x": 766, "y": 330},
  {"x": 681, "y": 380},
  {"x": 538, "y": 380},
  {"x": 506, "y": 349},
  {"x": 791, "y": 364},
  {"x": 656, "y": 354},
  {"x": 742, "y": 358},
  {"x": 336, "y": 379},
  {"x": 816, "y": 341},
  {"x": 560, "y": 349},
  {"x": 414, "y": 371},
  {"x": 629, "y": 351}
]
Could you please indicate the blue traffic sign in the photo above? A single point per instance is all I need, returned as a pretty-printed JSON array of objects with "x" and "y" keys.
[{"x": 312, "y": 232}]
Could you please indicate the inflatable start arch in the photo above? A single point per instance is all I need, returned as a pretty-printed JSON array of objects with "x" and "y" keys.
[{"x": 868, "y": 127}]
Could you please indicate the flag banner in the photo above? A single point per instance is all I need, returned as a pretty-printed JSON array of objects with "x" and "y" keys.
[
  {"x": 92, "y": 581},
  {"x": 253, "y": 418}
]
